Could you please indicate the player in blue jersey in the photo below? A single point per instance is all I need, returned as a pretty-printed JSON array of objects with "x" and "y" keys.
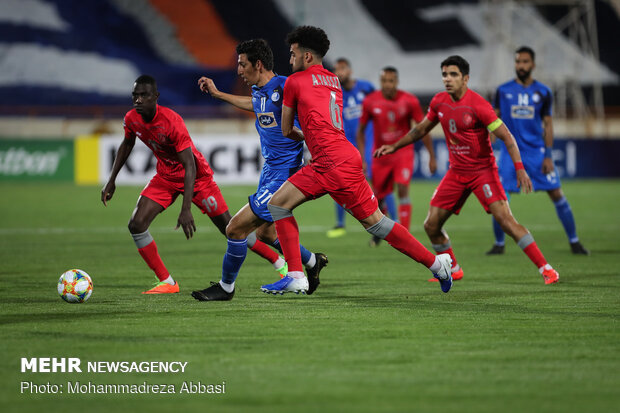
[
  {"x": 283, "y": 157},
  {"x": 524, "y": 104},
  {"x": 353, "y": 93}
]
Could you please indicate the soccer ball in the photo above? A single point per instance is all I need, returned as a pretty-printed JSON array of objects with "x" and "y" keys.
[{"x": 75, "y": 286}]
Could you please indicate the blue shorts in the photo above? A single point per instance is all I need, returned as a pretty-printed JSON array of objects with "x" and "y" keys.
[
  {"x": 532, "y": 161},
  {"x": 270, "y": 181}
]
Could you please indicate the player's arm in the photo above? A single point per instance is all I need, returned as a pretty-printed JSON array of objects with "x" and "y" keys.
[
  {"x": 360, "y": 138},
  {"x": 428, "y": 144},
  {"x": 124, "y": 150},
  {"x": 492, "y": 135},
  {"x": 186, "y": 220},
  {"x": 288, "y": 124},
  {"x": 547, "y": 166},
  {"x": 242, "y": 102},
  {"x": 501, "y": 131},
  {"x": 418, "y": 132}
]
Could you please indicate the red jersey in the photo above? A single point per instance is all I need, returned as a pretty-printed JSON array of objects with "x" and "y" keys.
[
  {"x": 391, "y": 117},
  {"x": 316, "y": 96},
  {"x": 166, "y": 135},
  {"x": 465, "y": 125}
]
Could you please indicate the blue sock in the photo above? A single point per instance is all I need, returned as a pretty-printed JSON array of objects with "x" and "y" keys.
[
  {"x": 562, "y": 207},
  {"x": 233, "y": 259},
  {"x": 500, "y": 237},
  {"x": 339, "y": 216},
  {"x": 305, "y": 254},
  {"x": 390, "y": 204}
]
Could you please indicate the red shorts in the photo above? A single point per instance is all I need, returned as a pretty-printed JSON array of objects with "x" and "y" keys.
[
  {"x": 207, "y": 195},
  {"x": 455, "y": 187},
  {"x": 390, "y": 169},
  {"x": 345, "y": 183}
]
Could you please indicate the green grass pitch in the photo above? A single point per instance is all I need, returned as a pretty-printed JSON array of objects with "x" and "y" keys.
[{"x": 376, "y": 336}]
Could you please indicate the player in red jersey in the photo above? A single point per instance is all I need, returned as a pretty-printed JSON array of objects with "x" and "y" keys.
[
  {"x": 181, "y": 169},
  {"x": 315, "y": 95},
  {"x": 467, "y": 119},
  {"x": 392, "y": 112}
]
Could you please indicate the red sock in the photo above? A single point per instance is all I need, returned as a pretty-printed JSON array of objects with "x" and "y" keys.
[
  {"x": 535, "y": 255},
  {"x": 449, "y": 251},
  {"x": 404, "y": 215},
  {"x": 264, "y": 251},
  {"x": 288, "y": 234},
  {"x": 153, "y": 260},
  {"x": 406, "y": 243}
]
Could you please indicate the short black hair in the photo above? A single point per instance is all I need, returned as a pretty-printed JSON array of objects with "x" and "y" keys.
[
  {"x": 310, "y": 38},
  {"x": 390, "y": 69},
  {"x": 257, "y": 49},
  {"x": 457, "y": 61},
  {"x": 147, "y": 80},
  {"x": 526, "y": 49},
  {"x": 343, "y": 60}
]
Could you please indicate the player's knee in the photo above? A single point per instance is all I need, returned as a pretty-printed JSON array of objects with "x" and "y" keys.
[
  {"x": 266, "y": 235},
  {"x": 431, "y": 226},
  {"x": 137, "y": 226}
]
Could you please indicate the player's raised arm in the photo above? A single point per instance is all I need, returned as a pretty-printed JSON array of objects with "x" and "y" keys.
[
  {"x": 523, "y": 180},
  {"x": 208, "y": 86},
  {"x": 186, "y": 220},
  {"x": 418, "y": 132},
  {"x": 122, "y": 154}
]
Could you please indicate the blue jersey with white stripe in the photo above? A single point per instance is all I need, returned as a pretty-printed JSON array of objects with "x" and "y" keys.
[
  {"x": 522, "y": 109},
  {"x": 352, "y": 107},
  {"x": 279, "y": 151}
]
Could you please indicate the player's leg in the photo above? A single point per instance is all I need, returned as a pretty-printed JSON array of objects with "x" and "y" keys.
[
  {"x": 501, "y": 212},
  {"x": 448, "y": 199},
  {"x": 500, "y": 236},
  {"x": 399, "y": 238},
  {"x": 236, "y": 230},
  {"x": 565, "y": 214},
  {"x": 314, "y": 262},
  {"x": 383, "y": 187},
  {"x": 389, "y": 203},
  {"x": 433, "y": 226},
  {"x": 154, "y": 198},
  {"x": 403, "y": 173},
  {"x": 355, "y": 192},
  {"x": 281, "y": 206},
  {"x": 339, "y": 230}
]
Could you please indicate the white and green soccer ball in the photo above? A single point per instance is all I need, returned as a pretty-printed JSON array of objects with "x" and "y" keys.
[{"x": 75, "y": 286}]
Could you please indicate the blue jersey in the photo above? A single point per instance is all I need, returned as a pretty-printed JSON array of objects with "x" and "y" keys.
[
  {"x": 352, "y": 108},
  {"x": 522, "y": 109},
  {"x": 279, "y": 151}
]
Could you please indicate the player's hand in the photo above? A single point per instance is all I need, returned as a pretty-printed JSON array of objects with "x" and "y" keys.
[
  {"x": 432, "y": 165},
  {"x": 108, "y": 192},
  {"x": 383, "y": 150},
  {"x": 547, "y": 166},
  {"x": 523, "y": 181},
  {"x": 207, "y": 86},
  {"x": 186, "y": 221}
]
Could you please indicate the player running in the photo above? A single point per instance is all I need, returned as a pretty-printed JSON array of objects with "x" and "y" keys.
[
  {"x": 181, "y": 169},
  {"x": 392, "y": 112},
  {"x": 465, "y": 118},
  {"x": 524, "y": 104},
  {"x": 354, "y": 91},
  {"x": 283, "y": 157},
  {"x": 315, "y": 95}
]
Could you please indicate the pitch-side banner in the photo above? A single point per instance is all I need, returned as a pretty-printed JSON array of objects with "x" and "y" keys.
[{"x": 235, "y": 159}]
